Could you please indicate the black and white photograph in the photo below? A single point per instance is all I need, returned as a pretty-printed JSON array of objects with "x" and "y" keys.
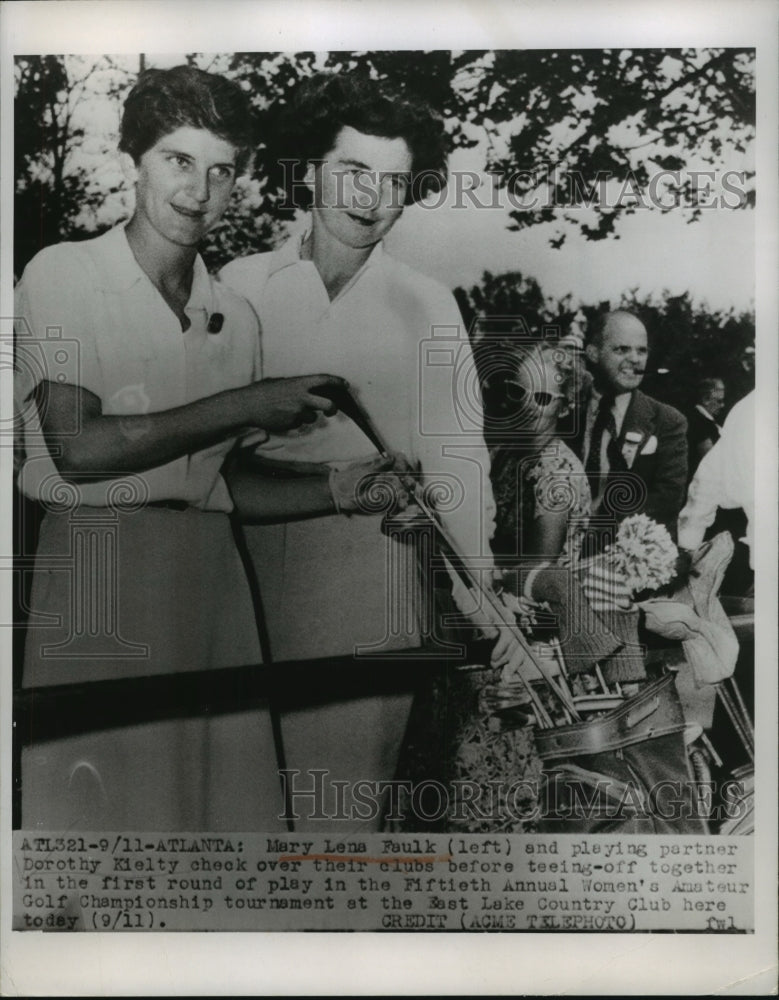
[{"x": 389, "y": 498}]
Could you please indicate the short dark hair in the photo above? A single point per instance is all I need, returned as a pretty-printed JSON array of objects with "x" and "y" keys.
[
  {"x": 164, "y": 100},
  {"x": 708, "y": 384},
  {"x": 328, "y": 102}
]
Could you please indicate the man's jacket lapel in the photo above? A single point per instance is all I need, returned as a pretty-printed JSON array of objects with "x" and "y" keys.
[{"x": 637, "y": 427}]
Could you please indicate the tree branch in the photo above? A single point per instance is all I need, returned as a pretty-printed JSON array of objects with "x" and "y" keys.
[{"x": 657, "y": 98}]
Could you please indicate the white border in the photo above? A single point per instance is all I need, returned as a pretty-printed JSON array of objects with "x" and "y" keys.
[{"x": 329, "y": 964}]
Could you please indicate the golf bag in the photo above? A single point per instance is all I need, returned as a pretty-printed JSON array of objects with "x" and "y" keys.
[{"x": 626, "y": 771}]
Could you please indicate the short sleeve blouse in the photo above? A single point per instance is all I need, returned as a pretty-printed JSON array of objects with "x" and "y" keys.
[
  {"x": 528, "y": 486},
  {"x": 88, "y": 315}
]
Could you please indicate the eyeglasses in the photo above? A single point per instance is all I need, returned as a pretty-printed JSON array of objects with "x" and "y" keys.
[{"x": 517, "y": 393}]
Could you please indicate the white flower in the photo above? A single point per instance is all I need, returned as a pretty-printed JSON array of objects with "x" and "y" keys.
[
  {"x": 642, "y": 557},
  {"x": 644, "y": 553}
]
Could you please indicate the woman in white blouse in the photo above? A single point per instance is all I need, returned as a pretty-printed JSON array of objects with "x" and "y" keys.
[
  {"x": 348, "y": 614},
  {"x": 146, "y": 376}
]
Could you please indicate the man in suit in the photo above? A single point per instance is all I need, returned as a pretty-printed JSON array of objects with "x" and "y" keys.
[
  {"x": 703, "y": 430},
  {"x": 634, "y": 448}
]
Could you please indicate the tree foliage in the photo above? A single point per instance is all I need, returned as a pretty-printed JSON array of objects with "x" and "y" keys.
[
  {"x": 613, "y": 117},
  {"x": 563, "y": 122},
  {"x": 688, "y": 341},
  {"x": 56, "y": 195},
  {"x": 564, "y": 130}
]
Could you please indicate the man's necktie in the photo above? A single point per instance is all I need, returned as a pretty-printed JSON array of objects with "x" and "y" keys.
[{"x": 604, "y": 421}]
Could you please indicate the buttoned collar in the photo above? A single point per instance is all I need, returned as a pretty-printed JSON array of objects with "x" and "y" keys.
[
  {"x": 118, "y": 270},
  {"x": 201, "y": 295}
]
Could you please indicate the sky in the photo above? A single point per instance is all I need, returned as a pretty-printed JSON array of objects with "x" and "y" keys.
[{"x": 713, "y": 258}]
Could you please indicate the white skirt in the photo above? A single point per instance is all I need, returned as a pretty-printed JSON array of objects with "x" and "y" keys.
[
  {"x": 131, "y": 594},
  {"x": 135, "y": 594}
]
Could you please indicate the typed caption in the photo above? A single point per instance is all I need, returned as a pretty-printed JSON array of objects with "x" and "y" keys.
[{"x": 252, "y": 882}]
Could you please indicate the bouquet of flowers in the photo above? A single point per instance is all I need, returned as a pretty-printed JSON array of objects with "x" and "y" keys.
[{"x": 642, "y": 558}]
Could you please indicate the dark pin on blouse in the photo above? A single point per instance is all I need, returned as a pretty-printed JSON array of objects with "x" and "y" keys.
[{"x": 215, "y": 323}]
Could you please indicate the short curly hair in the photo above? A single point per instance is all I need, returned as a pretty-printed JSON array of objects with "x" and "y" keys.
[
  {"x": 328, "y": 102},
  {"x": 164, "y": 100}
]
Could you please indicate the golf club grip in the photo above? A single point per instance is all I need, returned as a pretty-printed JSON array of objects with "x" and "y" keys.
[{"x": 348, "y": 405}]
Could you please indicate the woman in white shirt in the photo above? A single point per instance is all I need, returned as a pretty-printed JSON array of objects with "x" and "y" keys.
[
  {"x": 146, "y": 376},
  {"x": 345, "y": 605}
]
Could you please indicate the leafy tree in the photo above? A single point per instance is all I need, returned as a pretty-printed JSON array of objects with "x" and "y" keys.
[
  {"x": 513, "y": 306},
  {"x": 615, "y": 117},
  {"x": 607, "y": 121},
  {"x": 688, "y": 341},
  {"x": 56, "y": 196}
]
